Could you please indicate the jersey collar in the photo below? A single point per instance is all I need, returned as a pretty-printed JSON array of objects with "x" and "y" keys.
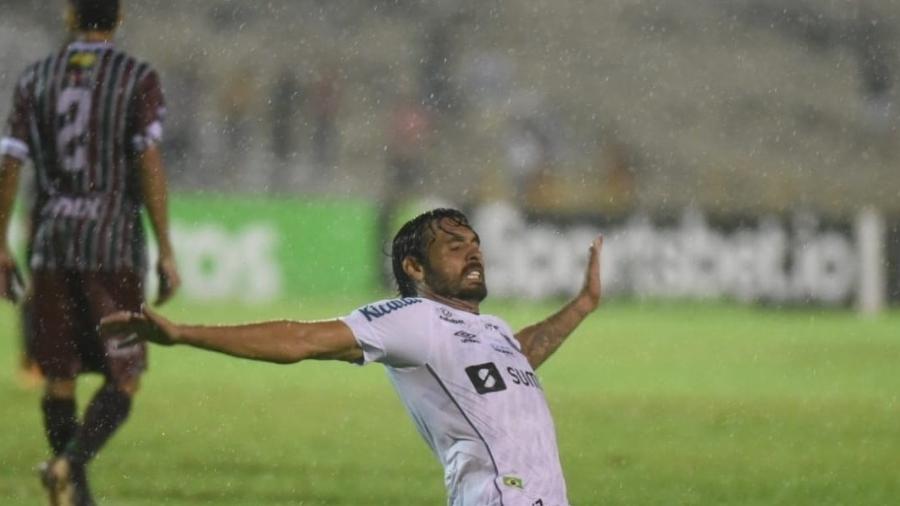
[{"x": 81, "y": 45}]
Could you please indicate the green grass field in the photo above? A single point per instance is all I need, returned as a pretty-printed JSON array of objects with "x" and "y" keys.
[{"x": 655, "y": 404}]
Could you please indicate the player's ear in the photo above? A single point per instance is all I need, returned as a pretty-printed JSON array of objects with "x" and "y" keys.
[{"x": 413, "y": 269}]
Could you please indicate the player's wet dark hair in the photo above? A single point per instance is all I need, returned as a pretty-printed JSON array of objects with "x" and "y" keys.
[
  {"x": 96, "y": 15},
  {"x": 412, "y": 241}
]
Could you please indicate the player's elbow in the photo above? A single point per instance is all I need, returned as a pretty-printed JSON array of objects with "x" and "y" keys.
[
  {"x": 300, "y": 344},
  {"x": 293, "y": 350}
]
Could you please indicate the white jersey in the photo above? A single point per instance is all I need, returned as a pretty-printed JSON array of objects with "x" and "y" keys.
[{"x": 473, "y": 396}]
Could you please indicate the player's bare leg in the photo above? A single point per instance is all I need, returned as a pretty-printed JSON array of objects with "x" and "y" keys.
[{"x": 29, "y": 375}]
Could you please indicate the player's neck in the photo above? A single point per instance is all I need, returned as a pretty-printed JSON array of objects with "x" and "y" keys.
[
  {"x": 95, "y": 36},
  {"x": 463, "y": 305}
]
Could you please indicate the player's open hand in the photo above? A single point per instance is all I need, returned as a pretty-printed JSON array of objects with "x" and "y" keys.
[
  {"x": 146, "y": 325},
  {"x": 12, "y": 286},
  {"x": 169, "y": 280},
  {"x": 591, "y": 293}
]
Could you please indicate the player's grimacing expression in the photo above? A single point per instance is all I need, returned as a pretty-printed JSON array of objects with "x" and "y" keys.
[{"x": 454, "y": 265}]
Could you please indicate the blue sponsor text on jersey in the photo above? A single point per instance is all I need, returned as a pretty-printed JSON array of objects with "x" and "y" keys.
[{"x": 373, "y": 311}]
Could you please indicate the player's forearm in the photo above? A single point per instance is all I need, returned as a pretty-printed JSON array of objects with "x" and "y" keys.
[
  {"x": 9, "y": 183},
  {"x": 540, "y": 340},
  {"x": 281, "y": 342},
  {"x": 155, "y": 196}
]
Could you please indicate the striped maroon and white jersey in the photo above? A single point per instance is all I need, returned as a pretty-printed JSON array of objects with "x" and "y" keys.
[{"x": 82, "y": 115}]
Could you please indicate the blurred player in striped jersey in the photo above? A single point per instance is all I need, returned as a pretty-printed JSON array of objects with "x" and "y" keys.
[{"x": 89, "y": 118}]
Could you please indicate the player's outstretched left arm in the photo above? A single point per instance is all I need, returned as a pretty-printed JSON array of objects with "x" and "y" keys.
[
  {"x": 281, "y": 342},
  {"x": 540, "y": 340}
]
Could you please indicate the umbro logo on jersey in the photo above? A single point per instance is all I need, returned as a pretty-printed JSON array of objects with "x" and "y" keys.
[
  {"x": 466, "y": 337},
  {"x": 485, "y": 378},
  {"x": 373, "y": 311}
]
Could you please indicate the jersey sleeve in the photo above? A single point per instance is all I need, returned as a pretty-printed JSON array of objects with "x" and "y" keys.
[
  {"x": 149, "y": 112},
  {"x": 395, "y": 332},
  {"x": 14, "y": 142}
]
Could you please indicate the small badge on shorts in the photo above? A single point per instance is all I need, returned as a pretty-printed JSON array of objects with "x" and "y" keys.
[{"x": 514, "y": 481}]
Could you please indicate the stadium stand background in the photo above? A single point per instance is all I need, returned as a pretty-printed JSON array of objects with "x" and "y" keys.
[{"x": 735, "y": 106}]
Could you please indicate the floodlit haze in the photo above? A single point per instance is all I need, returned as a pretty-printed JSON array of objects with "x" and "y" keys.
[{"x": 735, "y": 106}]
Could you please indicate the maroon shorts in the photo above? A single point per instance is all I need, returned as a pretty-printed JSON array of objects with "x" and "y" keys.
[{"x": 67, "y": 307}]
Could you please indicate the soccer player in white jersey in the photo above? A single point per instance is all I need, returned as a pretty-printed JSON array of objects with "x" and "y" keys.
[{"x": 466, "y": 379}]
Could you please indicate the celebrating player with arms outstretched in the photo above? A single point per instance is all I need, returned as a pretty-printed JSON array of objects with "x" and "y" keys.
[
  {"x": 89, "y": 117},
  {"x": 467, "y": 381}
]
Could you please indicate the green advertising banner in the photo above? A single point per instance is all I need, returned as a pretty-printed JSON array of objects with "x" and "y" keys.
[
  {"x": 260, "y": 249},
  {"x": 263, "y": 249}
]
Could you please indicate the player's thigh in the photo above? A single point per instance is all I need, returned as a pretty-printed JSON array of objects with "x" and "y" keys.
[
  {"x": 109, "y": 292},
  {"x": 53, "y": 323},
  {"x": 106, "y": 293}
]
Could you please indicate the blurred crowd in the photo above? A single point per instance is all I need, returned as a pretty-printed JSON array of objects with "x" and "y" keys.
[{"x": 566, "y": 106}]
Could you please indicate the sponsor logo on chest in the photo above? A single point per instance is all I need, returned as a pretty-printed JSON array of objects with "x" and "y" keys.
[
  {"x": 374, "y": 311},
  {"x": 487, "y": 378},
  {"x": 82, "y": 208}
]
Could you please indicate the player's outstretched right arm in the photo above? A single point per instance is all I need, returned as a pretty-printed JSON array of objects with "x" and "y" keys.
[{"x": 281, "y": 342}]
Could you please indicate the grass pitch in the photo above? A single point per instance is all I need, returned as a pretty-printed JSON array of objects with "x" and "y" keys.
[{"x": 654, "y": 404}]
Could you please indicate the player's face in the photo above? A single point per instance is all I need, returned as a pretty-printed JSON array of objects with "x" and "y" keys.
[{"x": 455, "y": 264}]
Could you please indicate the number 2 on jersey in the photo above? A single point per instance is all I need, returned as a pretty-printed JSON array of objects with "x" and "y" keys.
[{"x": 73, "y": 110}]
